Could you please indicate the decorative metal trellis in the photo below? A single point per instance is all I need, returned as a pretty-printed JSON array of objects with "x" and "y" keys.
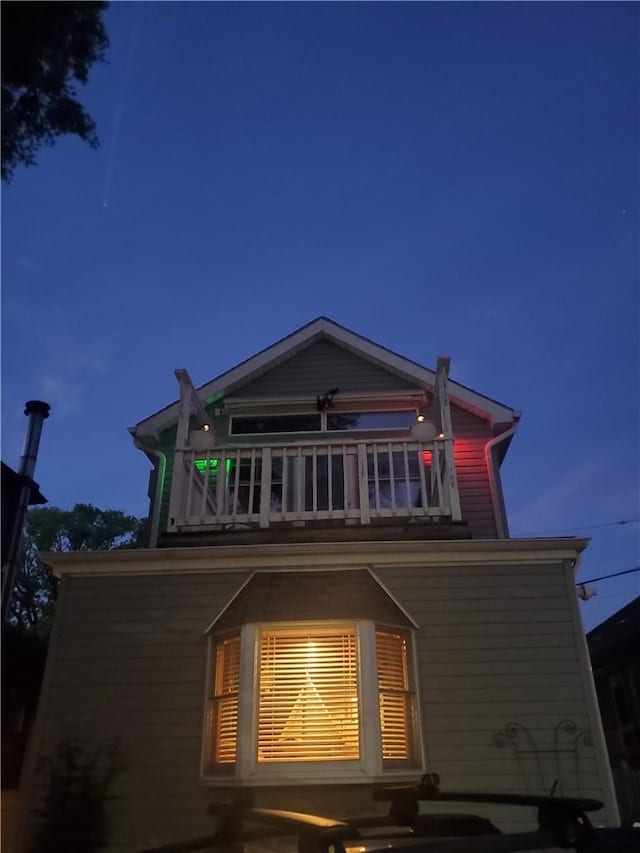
[{"x": 550, "y": 769}]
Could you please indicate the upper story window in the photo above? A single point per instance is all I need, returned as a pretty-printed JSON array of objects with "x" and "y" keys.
[
  {"x": 371, "y": 420},
  {"x": 270, "y": 424},
  {"x": 321, "y": 422},
  {"x": 298, "y": 701}
]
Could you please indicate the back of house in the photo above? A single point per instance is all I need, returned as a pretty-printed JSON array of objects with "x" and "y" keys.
[{"x": 330, "y": 601}]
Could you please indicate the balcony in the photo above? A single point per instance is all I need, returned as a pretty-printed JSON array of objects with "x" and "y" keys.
[
  {"x": 332, "y": 480},
  {"x": 351, "y": 483}
]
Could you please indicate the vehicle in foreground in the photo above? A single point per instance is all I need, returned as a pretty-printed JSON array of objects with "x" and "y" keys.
[{"x": 562, "y": 824}]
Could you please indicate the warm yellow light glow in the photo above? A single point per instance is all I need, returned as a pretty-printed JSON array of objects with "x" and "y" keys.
[
  {"x": 394, "y": 695},
  {"x": 205, "y": 427},
  {"x": 420, "y": 419},
  {"x": 308, "y": 705},
  {"x": 308, "y": 708},
  {"x": 223, "y": 707},
  {"x": 441, "y": 435}
]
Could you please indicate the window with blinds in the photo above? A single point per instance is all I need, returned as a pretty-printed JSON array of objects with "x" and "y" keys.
[
  {"x": 303, "y": 688},
  {"x": 395, "y": 697},
  {"x": 223, "y": 703},
  {"x": 308, "y": 696}
]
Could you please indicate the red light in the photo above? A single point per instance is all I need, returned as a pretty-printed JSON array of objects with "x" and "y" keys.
[{"x": 426, "y": 457}]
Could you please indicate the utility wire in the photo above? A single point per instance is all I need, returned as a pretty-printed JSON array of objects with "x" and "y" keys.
[
  {"x": 606, "y": 577},
  {"x": 584, "y": 527}
]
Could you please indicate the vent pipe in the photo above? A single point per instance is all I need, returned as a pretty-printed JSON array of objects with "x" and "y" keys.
[{"x": 37, "y": 412}]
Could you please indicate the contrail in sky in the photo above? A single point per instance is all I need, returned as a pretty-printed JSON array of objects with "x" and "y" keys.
[{"x": 117, "y": 121}]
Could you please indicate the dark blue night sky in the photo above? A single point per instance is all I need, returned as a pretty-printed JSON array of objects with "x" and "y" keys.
[{"x": 453, "y": 179}]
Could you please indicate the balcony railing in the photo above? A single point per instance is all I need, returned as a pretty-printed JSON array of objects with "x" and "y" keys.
[{"x": 356, "y": 482}]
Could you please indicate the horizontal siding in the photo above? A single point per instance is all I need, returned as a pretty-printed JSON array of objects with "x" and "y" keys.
[
  {"x": 495, "y": 645},
  {"x": 474, "y": 487},
  {"x": 168, "y": 446},
  {"x": 319, "y": 367},
  {"x": 467, "y": 425},
  {"x": 471, "y": 434},
  {"x": 128, "y": 666},
  {"x": 492, "y": 650}
]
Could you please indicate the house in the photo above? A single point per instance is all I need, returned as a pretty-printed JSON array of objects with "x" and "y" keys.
[
  {"x": 23, "y": 656},
  {"x": 11, "y": 484},
  {"x": 331, "y": 601},
  {"x": 614, "y": 647}
]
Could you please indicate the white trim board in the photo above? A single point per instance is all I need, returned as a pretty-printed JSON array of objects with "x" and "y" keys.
[{"x": 313, "y": 556}]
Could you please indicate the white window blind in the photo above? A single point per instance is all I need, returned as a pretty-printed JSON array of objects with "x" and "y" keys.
[
  {"x": 396, "y": 699},
  {"x": 308, "y": 700},
  {"x": 223, "y": 705}
]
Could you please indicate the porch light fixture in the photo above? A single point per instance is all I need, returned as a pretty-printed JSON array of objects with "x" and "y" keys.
[
  {"x": 422, "y": 431},
  {"x": 205, "y": 427}
]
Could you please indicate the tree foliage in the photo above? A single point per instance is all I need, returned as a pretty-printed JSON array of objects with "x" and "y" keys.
[
  {"x": 46, "y": 46},
  {"x": 83, "y": 528}
]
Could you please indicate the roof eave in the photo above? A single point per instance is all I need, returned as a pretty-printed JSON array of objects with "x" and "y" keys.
[{"x": 268, "y": 358}]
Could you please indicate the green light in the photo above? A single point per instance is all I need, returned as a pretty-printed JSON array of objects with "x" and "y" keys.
[
  {"x": 201, "y": 465},
  {"x": 212, "y": 465}
]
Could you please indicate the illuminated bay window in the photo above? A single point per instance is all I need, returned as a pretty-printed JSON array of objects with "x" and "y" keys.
[{"x": 306, "y": 700}]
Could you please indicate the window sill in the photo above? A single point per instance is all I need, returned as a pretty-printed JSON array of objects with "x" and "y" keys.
[{"x": 260, "y": 780}]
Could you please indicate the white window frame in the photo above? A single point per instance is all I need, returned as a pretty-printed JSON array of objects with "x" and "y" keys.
[
  {"x": 323, "y": 422},
  {"x": 370, "y": 765},
  {"x": 242, "y": 416}
]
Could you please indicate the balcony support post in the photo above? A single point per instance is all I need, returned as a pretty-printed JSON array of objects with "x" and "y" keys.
[
  {"x": 442, "y": 412},
  {"x": 363, "y": 484},
  {"x": 265, "y": 488},
  {"x": 221, "y": 484},
  {"x": 178, "y": 480},
  {"x": 191, "y": 403}
]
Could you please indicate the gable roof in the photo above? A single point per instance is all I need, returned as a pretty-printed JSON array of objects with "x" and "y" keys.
[
  {"x": 321, "y": 365},
  {"x": 274, "y": 596},
  {"x": 324, "y": 328}
]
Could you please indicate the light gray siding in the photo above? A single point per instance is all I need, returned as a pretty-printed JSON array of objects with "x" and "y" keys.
[
  {"x": 319, "y": 367},
  {"x": 168, "y": 446},
  {"x": 496, "y": 647},
  {"x": 128, "y": 666}
]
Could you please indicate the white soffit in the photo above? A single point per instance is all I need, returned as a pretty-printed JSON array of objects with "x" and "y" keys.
[{"x": 321, "y": 556}]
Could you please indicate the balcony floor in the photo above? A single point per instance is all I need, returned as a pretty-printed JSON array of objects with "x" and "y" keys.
[{"x": 382, "y": 529}]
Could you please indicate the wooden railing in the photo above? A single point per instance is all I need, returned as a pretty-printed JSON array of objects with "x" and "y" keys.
[{"x": 357, "y": 482}]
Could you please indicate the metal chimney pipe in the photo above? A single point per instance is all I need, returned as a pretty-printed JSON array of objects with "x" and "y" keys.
[{"x": 37, "y": 412}]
